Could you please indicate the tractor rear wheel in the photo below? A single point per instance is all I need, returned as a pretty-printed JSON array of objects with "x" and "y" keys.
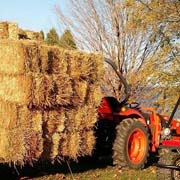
[
  {"x": 168, "y": 157},
  {"x": 131, "y": 145}
]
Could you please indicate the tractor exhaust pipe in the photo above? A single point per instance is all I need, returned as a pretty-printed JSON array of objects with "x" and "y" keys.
[{"x": 122, "y": 79}]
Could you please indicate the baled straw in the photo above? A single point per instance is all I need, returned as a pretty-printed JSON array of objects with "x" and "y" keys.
[
  {"x": 64, "y": 91},
  {"x": 4, "y": 30},
  {"x": 80, "y": 88},
  {"x": 71, "y": 145},
  {"x": 15, "y": 89},
  {"x": 13, "y": 31},
  {"x": 87, "y": 142}
]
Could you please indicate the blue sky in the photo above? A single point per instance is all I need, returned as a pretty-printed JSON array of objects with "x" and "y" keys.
[{"x": 30, "y": 14}]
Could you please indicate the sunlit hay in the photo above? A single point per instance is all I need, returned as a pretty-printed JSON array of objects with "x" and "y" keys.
[
  {"x": 70, "y": 145},
  {"x": 57, "y": 62},
  {"x": 74, "y": 118},
  {"x": 64, "y": 91},
  {"x": 95, "y": 94},
  {"x": 15, "y": 89},
  {"x": 19, "y": 57},
  {"x": 74, "y": 63},
  {"x": 98, "y": 67},
  {"x": 86, "y": 67},
  {"x": 12, "y": 57},
  {"x": 87, "y": 142},
  {"x": 13, "y": 31},
  {"x": 36, "y": 140},
  {"x": 15, "y": 120},
  {"x": 55, "y": 146},
  {"x": 88, "y": 116},
  {"x": 55, "y": 121},
  {"x": 4, "y": 30},
  {"x": 80, "y": 88},
  {"x": 34, "y": 35},
  {"x": 32, "y": 56},
  {"x": 43, "y": 95},
  {"x": 43, "y": 50}
]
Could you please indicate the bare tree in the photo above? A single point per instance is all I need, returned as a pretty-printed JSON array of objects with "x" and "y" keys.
[{"x": 103, "y": 26}]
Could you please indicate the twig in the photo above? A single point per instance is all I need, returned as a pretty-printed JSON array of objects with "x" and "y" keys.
[{"x": 70, "y": 170}]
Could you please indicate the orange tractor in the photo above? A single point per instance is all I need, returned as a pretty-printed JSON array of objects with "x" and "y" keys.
[{"x": 134, "y": 132}]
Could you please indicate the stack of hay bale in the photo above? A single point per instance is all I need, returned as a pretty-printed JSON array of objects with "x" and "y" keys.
[
  {"x": 9, "y": 30},
  {"x": 48, "y": 101}
]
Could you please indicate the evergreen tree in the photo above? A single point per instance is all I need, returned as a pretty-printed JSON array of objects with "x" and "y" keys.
[
  {"x": 67, "y": 40},
  {"x": 42, "y": 34},
  {"x": 52, "y": 37}
]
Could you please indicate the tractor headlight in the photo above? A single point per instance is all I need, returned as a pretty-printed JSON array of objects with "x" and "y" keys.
[{"x": 166, "y": 132}]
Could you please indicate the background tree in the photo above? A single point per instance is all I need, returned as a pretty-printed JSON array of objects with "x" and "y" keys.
[
  {"x": 42, "y": 34},
  {"x": 139, "y": 35},
  {"x": 162, "y": 70},
  {"x": 52, "y": 37},
  {"x": 104, "y": 28},
  {"x": 67, "y": 40}
]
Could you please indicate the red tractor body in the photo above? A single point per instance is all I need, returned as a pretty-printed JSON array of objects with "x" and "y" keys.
[{"x": 133, "y": 131}]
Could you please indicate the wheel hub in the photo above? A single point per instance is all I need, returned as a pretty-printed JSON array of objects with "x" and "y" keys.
[{"x": 136, "y": 146}]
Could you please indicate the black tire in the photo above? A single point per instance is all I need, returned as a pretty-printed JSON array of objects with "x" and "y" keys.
[
  {"x": 168, "y": 157},
  {"x": 120, "y": 147}
]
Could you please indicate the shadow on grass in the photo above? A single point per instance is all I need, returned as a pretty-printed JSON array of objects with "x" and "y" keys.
[{"x": 46, "y": 168}]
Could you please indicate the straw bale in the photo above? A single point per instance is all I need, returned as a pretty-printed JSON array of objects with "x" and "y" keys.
[
  {"x": 88, "y": 116},
  {"x": 64, "y": 91},
  {"x": 15, "y": 88},
  {"x": 13, "y": 143},
  {"x": 79, "y": 64},
  {"x": 43, "y": 91},
  {"x": 19, "y": 57},
  {"x": 73, "y": 121},
  {"x": 13, "y": 31},
  {"x": 80, "y": 88},
  {"x": 95, "y": 94},
  {"x": 33, "y": 136},
  {"x": 53, "y": 60},
  {"x": 87, "y": 142},
  {"x": 22, "y": 34},
  {"x": 55, "y": 120},
  {"x": 4, "y": 30},
  {"x": 70, "y": 145},
  {"x": 33, "y": 35},
  {"x": 20, "y": 133},
  {"x": 52, "y": 128}
]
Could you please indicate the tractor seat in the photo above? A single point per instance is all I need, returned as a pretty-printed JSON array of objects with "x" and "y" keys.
[{"x": 113, "y": 103}]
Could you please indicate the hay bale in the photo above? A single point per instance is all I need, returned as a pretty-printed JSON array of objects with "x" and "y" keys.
[
  {"x": 12, "y": 150},
  {"x": 87, "y": 142},
  {"x": 4, "y": 30},
  {"x": 63, "y": 88},
  {"x": 15, "y": 89},
  {"x": 33, "y": 35},
  {"x": 70, "y": 145},
  {"x": 13, "y": 31},
  {"x": 95, "y": 94},
  {"x": 21, "y": 138},
  {"x": 53, "y": 126},
  {"x": 19, "y": 57},
  {"x": 53, "y": 60},
  {"x": 43, "y": 91},
  {"x": 80, "y": 90}
]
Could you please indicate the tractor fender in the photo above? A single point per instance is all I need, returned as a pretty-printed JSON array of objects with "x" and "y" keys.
[{"x": 132, "y": 113}]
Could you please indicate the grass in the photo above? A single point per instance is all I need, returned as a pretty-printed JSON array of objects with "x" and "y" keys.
[{"x": 86, "y": 169}]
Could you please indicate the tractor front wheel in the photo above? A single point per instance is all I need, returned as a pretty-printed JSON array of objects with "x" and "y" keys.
[
  {"x": 131, "y": 146},
  {"x": 168, "y": 157}
]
